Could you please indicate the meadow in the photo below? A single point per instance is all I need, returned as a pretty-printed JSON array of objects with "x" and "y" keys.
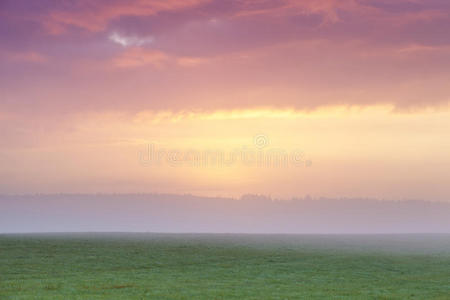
[{"x": 224, "y": 266}]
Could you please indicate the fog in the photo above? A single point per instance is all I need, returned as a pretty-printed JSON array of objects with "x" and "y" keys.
[{"x": 248, "y": 214}]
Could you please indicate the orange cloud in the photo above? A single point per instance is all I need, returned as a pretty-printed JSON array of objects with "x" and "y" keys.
[
  {"x": 140, "y": 57},
  {"x": 327, "y": 8},
  {"x": 94, "y": 16},
  {"x": 137, "y": 57},
  {"x": 191, "y": 61}
]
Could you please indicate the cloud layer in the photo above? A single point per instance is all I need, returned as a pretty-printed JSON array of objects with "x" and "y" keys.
[{"x": 223, "y": 55}]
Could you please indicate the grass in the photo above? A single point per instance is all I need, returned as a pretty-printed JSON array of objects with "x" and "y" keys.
[{"x": 205, "y": 266}]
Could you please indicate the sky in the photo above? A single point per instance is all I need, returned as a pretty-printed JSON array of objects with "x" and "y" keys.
[{"x": 285, "y": 98}]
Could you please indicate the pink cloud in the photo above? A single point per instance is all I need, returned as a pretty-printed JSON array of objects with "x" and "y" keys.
[
  {"x": 95, "y": 16},
  {"x": 26, "y": 56},
  {"x": 141, "y": 57},
  {"x": 138, "y": 57},
  {"x": 327, "y": 8},
  {"x": 192, "y": 61}
]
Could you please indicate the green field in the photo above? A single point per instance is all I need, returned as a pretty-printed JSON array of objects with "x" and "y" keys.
[{"x": 221, "y": 266}]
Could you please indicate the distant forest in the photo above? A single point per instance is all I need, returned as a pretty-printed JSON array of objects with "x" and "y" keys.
[{"x": 248, "y": 214}]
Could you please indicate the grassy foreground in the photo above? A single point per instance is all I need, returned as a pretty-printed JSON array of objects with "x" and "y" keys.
[{"x": 204, "y": 266}]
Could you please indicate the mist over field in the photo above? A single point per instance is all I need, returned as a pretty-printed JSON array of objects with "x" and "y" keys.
[{"x": 187, "y": 213}]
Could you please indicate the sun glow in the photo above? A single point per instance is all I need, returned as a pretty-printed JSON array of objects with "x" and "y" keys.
[
  {"x": 343, "y": 149},
  {"x": 262, "y": 113}
]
